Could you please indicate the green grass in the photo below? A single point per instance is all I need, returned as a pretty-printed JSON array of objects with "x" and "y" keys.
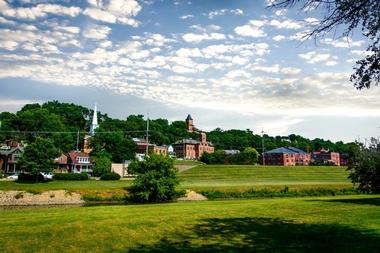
[
  {"x": 325, "y": 224},
  {"x": 240, "y": 176},
  {"x": 187, "y": 162},
  {"x": 215, "y": 177}
]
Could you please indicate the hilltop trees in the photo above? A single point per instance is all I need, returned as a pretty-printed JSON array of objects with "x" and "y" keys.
[{"x": 39, "y": 157}]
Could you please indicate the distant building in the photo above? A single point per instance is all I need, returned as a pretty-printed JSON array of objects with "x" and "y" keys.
[
  {"x": 287, "y": 156},
  {"x": 192, "y": 149},
  {"x": 79, "y": 162},
  {"x": 8, "y": 158},
  {"x": 121, "y": 168},
  {"x": 190, "y": 124},
  {"x": 344, "y": 159},
  {"x": 62, "y": 164},
  {"x": 152, "y": 148},
  {"x": 231, "y": 151},
  {"x": 326, "y": 157}
]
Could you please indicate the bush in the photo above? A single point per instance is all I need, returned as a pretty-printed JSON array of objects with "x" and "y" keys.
[
  {"x": 29, "y": 178},
  {"x": 110, "y": 176},
  {"x": 102, "y": 165},
  {"x": 156, "y": 180},
  {"x": 71, "y": 176}
]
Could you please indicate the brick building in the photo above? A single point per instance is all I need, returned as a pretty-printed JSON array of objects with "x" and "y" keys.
[
  {"x": 326, "y": 157},
  {"x": 152, "y": 148},
  {"x": 192, "y": 149},
  {"x": 287, "y": 156}
]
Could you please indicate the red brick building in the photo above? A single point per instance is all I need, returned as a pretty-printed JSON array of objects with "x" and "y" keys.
[
  {"x": 152, "y": 148},
  {"x": 192, "y": 149},
  {"x": 326, "y": 157},
  {"x": 190, "y": 124},
  {"x": 287, "y": 156}
]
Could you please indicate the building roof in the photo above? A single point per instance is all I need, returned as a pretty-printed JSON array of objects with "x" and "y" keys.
[
  {"x": 186, "y": 141},
  {"x": 9, "y": 151},
  {"x": 286, "y": 150},
  {"x": 189, "y": 117},
  {"x": 75, "y": 154}
]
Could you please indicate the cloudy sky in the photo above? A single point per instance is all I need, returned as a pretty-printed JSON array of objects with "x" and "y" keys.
[{"x": 231, "y": 64}]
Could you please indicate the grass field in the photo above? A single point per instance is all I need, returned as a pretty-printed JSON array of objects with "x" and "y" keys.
[
  {"x": 240, "y": 176},
  {"x": 214, "y": 177},
  {"x": 334, "y": 224}
]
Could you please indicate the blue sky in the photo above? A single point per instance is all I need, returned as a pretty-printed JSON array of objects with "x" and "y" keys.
[{"x": 231, "y": 64}]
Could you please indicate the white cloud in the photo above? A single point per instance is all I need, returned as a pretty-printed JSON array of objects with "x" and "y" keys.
[
  {"x": 250, "y": 30},
  {"x": 186, "y": 16},
  {"x": 342, "y": 43},
  {"x": 222, "y": 12},
  {"x": 97, "y": 32},
  {"x": 313, "y": 57},
  {"x": 279, "y": 37},
  {"x": 114, "y": 11},
  {"x": 189, "y": 52},
  {"x": 285, "y": 24},
  {"x": 193, "y": 37},
  {"x": 8, "y": 45}
]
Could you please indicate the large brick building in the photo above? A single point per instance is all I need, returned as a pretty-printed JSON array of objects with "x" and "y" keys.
[
  {"x": 287, "y": 156},
  {"x": 192, "y": 149},
  {"x": 326, "y": 157},
  {"x": 152, "y": 148}
]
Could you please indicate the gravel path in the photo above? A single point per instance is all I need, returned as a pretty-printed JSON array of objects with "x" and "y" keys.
[{"x": 23, "y": 198}]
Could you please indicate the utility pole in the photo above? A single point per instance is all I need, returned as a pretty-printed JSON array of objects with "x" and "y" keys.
[
  {"x": 147, "y": 135},
  {"x": 78, "y": 140},
  {"x": 262, "y": 146}
]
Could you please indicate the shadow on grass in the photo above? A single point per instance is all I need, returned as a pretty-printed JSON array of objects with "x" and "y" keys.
[
  {"x": 367, "y": 201},
  {"x": 264, "y": 235}
]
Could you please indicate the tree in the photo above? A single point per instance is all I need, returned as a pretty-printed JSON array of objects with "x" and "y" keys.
[
  {"x": 102, "y": 165},
  {"x": 353, "y": 14},
  {"x": 156, "y": 179},
  {"x": 365, "y": 170},
  {"x": 39, "y": 157},
  {"x": 248, "y": 156}
]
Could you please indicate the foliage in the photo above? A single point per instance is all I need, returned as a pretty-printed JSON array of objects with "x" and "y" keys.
[
  {"x": 39, "y": 157},
  {"x": 71, "y": 176},
  {"x": 101, "y": 166},
  {"x": 110, "y": 176},
  {"x": 26, "y": 178},
  {"x": 366, "y": 170},
  {"x": 156, "y": 179},
  {"x": 363, "y": 14},
  {"x": 247, "y": 156}
]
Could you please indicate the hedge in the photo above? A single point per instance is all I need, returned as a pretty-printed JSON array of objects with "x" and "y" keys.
[
  {"x": 71, "y": 176},
  {"x": 30, "y": 178},
  {"x": 110, "y": 176}
]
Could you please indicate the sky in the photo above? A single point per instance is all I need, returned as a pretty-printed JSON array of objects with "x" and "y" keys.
[{"x": 233, "y": 64}]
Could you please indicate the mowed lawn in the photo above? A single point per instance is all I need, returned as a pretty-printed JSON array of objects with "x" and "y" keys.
[
  {"x": 230, "y": 176},
  {"x": 323, "y": 224},
  {"x": 214, "y": 177}
]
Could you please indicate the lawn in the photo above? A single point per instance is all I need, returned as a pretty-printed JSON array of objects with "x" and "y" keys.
[
  {"x": 215, "y": 177},
  {"x": 241, "y": 176},
  {"x": 324, "y": 224}
]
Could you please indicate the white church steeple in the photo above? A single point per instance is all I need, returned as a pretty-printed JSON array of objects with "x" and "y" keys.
[{"x": 94, "y": 124}]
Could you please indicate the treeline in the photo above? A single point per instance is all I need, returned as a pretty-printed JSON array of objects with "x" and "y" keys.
[{"x": 61, "y": 123}]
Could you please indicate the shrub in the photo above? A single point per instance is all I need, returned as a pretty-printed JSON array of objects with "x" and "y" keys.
[
  {"x": 29, "y": 178},
  {"x": 70, "y": 176},
  {"x": 110, "y": 176},
  {"x": 156, "y": 180},
  {"x": 102, "y": 165}
]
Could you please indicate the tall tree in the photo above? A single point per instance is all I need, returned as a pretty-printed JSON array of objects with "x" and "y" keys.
[{"x": 353, "y": 14}]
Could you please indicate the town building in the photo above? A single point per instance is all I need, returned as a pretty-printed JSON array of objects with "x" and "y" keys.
[
  {"x": 8, "y": 159},
  {"x": 326, "y": 157},
  {"x": 344, "y": 159},
  {"x": 152, "y": 148},
  {"x": 62, "y": 164},
  {"x": 192, "y": 149},
  {"x": 287, "y": 156},
  {"x": 79, "y": 162},
  {"x": 190, "y": 124}
]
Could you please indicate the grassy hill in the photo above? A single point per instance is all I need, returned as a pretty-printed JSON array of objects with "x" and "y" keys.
[
  {"x": 335, "y": 224},
  {"x": 241, "y": 176}
]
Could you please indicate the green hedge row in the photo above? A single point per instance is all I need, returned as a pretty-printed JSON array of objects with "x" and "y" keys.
[
  {"x": 285, "y": 192},
  {"x": 110, "y": 176},
  {"x": 71, "y": 176}
]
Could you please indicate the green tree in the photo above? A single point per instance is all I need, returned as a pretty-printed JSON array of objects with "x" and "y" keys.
[
  {"x": 102, "y": 165},
  {"x": 365, "y": 170},
  {"x": 39, "y": 157},
  {"x": 363, "y": 14},
  {"x": 156, "y": 179}
]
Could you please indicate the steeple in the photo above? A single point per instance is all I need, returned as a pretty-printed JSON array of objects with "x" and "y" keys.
[
  {"x": 189, "y": 124},
  {"x": 94, "y": 124}
]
